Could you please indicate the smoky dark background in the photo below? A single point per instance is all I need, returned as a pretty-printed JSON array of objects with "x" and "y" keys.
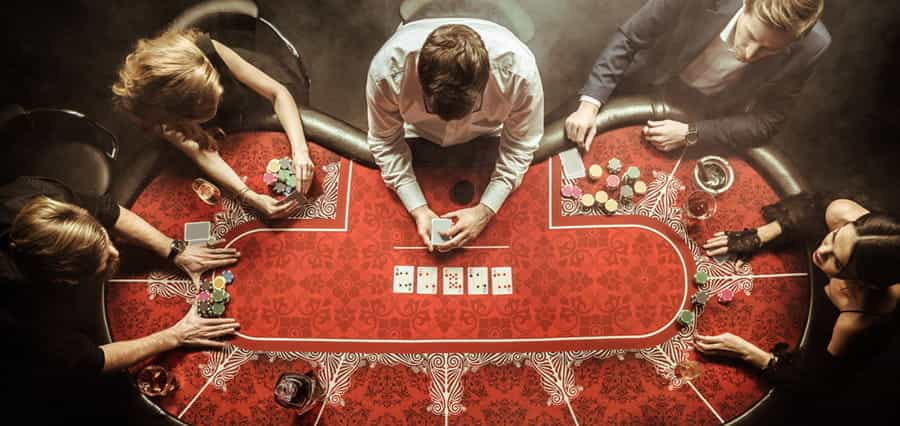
[{"x": 843, "y": 134}]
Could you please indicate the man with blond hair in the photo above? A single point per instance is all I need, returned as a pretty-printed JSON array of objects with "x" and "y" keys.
[
  {"x": 736, "y": 65},
  {"x": 55, "y": 248}
]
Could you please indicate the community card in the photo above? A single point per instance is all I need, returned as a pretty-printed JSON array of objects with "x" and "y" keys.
[
  {"x": 439, "y": 225},
  {"x": 197, "y": 232},
  {"x": 478, "y": 280},
  {"x": 403, "y": 279},
  {"x": 453, "y": 281},
  {"x": 501, "y": 281},
  {"x": 426, "y": 280},
  {"x": 573, "y": 166}
]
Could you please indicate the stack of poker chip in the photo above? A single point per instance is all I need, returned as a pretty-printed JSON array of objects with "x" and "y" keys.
[
  {"x": 571, "y": 191},
  {"x": 614, "y": 166},
  {"x": 685, "y": 317},
  {"x": 700, "y": 298},
  {"x": 700, "y": 278},
  {"x": 279, "y": 176},
  {"x": 213, "y": 297},
  {"x": 726, "y": 295}
]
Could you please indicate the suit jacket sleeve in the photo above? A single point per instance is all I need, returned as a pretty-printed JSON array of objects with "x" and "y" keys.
[
  {"x": 655, "y": 18},
  {"x": 763, "y": 118}
]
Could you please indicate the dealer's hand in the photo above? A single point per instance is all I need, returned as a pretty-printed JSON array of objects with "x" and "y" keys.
[
  {"x": 194, "y": 330},
  {"x": 729, "y": 345},
  {"x": 665, "y": 135},
  {"x": 423, "y": 215},
  {"x": 195, "y": 260},
  {"x": 581, "y": 126},
  {"x": 469, "y": 222}
]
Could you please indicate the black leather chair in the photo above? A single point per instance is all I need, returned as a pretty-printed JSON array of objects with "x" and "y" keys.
[
  {"x": 59, "y": 143},
  {"x": 504, "y": 12}
]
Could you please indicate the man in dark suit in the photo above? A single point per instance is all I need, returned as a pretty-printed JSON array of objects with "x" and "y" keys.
[{"x": 735, "y": 65}]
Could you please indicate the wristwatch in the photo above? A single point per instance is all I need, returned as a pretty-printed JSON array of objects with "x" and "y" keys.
[
  {"x": 692, "y": 136},
  {"x": 176, "y": 248}
]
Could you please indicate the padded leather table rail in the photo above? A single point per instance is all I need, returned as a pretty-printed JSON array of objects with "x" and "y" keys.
[{"x": 587, "y": 337}]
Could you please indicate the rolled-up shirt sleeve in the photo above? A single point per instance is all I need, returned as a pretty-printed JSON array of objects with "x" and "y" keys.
[
  {"x": 521, "y": 135},
  {"x": 386, "y": 142}
]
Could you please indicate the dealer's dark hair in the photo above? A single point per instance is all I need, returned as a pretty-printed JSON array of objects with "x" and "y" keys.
[
  {"x": 453, "y": 69},
  {"x": 875, "y": 258}
]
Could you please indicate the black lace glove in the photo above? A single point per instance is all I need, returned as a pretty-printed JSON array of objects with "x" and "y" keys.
[{"x": 743, "y": 243}]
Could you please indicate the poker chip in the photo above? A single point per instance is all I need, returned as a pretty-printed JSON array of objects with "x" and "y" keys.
[
  {"x": 614, "y": 166},
  {"x": 203, "y": 308},
  {"x": 283, "y": 175},
  {"x": 285, "y": 163},
  {"x": 229, "y": 276},
  {"x": 218, "y": 309},
  {"x": 632, "y": 174},
  {"x": 610, "y": 206},
  {"x": 274, "y": 166},
  {"x": 700, "y": 298},
  {"x": 626, "y": 194},
  {"x": 595, "y": 172},
  {"x": 612, "y": 183},
  {"x": 685, "y": 317},
  {"x": 587, "y": 201},
  {"x": 206, "y": 285},
  {"x": 640, "y": 188},
  {"x": 279, "y": 188},
  {"x": 726, "y": 296},
  {"x": 601, "y": 197},
  {"x": 701, "y": 277},
  {"x": 291, "y": 181},
  {"x": 218, "y": 282},
  {"x": 577, "y": 193},
  {"x": 567, "y": 190},
  {"x": 218, "y": 295},
  {"x": 269, "y": 178},
  {"x": 203, "y": 296}
]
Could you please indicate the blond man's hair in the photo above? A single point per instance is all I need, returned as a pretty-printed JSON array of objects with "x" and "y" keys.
[
  {"x": 57, "y": 241},
  {"x": 169, "y": 79},
  {"x": 794, "y": 16}
]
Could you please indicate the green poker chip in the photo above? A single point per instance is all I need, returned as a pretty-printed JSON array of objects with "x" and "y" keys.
[
  {"x": 218, "y": 309},
  {"x": 218, "y": 295},
  {"x": 685, "y": 317}
]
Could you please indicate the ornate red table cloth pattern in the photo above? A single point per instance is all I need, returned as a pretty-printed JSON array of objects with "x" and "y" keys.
[{"x": 592, "y": 315}]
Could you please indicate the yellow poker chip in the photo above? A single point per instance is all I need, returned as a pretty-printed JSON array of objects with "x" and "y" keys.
[
  {"x": 601, "y": 197},
  {"x": 587, "y": 200},
  {"x": 274, "y": 166},
  {"x": 611, "y": 206},
  {"x": 218, "y": 282},
  {"x": 640, "y": 188}
]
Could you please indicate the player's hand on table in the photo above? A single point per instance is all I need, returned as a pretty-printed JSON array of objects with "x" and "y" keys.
[
  {"x": 270, "y": 207},
  {"x": 732, "y": 346},
  {"x": 423, "y": 215},
  {"x": 468, "y": 224},
  {"x": 195, "y": 260},
  {"x": 665, "y": 135},
  {"x": 740, "y": 243},
  {"x": 194, "y": 330},
  {"x": 581, "y": 125},
  {"x": 304, "y": 169}
]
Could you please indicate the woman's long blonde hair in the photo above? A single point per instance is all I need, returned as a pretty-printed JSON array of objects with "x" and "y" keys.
[
  {"x": 57, "y": 241},
  {"x": 168, "y": 80}
]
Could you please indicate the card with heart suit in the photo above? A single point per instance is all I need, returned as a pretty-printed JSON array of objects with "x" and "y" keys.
[
  {"x": 403, "y": 279},
  {"x": 478, "y": 280},
  {"x": 501, "y": 281},
  {"x": 454, "y": 277},
  {"x": 426, "y": 280}
]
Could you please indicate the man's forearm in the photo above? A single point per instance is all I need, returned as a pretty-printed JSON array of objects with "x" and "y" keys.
[
  {"x": 137, "y": 231},
  {"x": 120, "y": 355}
]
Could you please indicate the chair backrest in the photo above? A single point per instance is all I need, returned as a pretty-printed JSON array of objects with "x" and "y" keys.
[
  {"x": 58, "y": 143},
  {"x": 238, "y": 24}
]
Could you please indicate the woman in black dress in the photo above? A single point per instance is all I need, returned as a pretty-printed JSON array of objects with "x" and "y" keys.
[{"x": 860, "y": 254}]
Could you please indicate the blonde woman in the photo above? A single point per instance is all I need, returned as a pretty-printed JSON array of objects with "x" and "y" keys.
[{"x": 174, "y": 83}]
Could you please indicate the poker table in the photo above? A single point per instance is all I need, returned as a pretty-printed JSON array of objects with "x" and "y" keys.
[{"x": 588, "y": 335}]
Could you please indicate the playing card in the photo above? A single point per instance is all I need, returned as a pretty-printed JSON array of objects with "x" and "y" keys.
[
  {"x": 197, "y": 232},
  {"x": 573, "y": 166},
  {"x": 439, "y": 225},
  {"x": 501, "y": 281},
  {"x": 403, "y": 279},
  {"x": 478, "y": 280},
  {"x": 426, "y": 280},
  {"x": 453, "y": 281}
]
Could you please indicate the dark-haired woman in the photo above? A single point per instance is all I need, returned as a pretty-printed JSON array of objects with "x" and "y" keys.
[{"x": 859, "y": 251}]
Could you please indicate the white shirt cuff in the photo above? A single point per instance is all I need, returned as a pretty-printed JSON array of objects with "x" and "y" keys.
[
  {"x": 590, "y": 100},
  {"x": 495, "y": 195},
  {"x": 411, "y": 195}
]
